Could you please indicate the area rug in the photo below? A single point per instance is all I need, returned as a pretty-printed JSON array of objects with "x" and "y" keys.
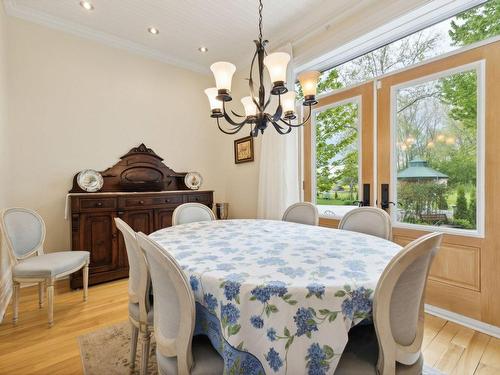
[{"x": 106, "y": 351}]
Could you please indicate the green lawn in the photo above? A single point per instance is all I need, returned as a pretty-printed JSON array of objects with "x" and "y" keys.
[{"x": 331, "y": 202}]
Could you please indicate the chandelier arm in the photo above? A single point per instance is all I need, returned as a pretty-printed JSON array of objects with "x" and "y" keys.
[
  {"x": 237, "y": 129},
  {"x": 235, "y": 114},
  {"x": 250, "y": 81},
  {"x": 279, "y": 111},
  {"x": 297, "y": 125},
  {"x": 229, "y": 119},
  {"x": 279, "y": 129}
]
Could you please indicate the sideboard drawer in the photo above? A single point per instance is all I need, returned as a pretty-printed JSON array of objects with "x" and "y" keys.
[
  {"x": 174, "y": 199},
  {"x": 199, "y": 198},
  {"x": 97, "y": 203},
  {"x": 137, "y": 202}
]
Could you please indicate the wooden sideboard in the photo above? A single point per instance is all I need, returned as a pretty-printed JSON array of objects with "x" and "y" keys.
[{"x": 92, "y": 214}]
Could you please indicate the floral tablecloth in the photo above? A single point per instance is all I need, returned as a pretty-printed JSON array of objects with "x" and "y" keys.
[{"x": 277, "y": 297}]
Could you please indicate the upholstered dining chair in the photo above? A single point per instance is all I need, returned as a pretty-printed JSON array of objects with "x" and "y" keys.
[
  {"x": 140, "y": 306},
  {"x": 192, "y": 212},
  {"x": 368, "y": 220},
  {"x": 24, "y": 232},
  {"x": 177, "y": 351},
  {"x": 302, "y": 213},
  {"x": 392, "y": 345}
]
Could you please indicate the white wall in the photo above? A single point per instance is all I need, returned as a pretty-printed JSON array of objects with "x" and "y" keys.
[
  {"x": 242, "y": 180},
  {"x": 76, "y": 104},
  {"x": 4, "y": 260}
]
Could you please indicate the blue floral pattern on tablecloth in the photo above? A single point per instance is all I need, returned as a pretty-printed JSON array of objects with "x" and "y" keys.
[{"x": 277, "y": 297}]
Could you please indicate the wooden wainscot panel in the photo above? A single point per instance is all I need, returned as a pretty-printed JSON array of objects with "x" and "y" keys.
[
  {"x": 455, "y": 264},
  {"x": 449, "y": 297},
  {"x": 329, "y": 223}
]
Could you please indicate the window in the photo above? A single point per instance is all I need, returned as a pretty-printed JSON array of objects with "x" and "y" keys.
[
  {"x": 436, "y": 138},
  {"x": 337, "y": 129},
  {"x": 473, "y": 25},
  {"x": 437, "y": 127}
]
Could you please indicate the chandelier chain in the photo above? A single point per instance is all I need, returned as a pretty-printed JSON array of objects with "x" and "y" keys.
[{"x": 260, "y": 20}]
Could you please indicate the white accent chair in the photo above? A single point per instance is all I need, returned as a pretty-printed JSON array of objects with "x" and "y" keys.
[
  {"x": 302, "y": 213},
  {"x": 191, "y": 213},
  {"x": 140, "y": 307},
  {"x": 177, "y": 351},
  {"x": 24, "y": 232},
  {"x": 393, "y": 344},
  {"x": 368, "y": 220}
]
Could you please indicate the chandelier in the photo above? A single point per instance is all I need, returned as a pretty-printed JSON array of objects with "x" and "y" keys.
[{"x": 255, "y": 104}]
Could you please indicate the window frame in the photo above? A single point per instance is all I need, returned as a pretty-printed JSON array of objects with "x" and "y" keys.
[
  {"x": 357, "y": 99},
  {"x": 478, "y": 66}
]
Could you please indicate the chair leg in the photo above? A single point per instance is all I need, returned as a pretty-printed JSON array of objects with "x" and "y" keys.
[
  {"x": 133, "y": 344},
  {"x": 146, "y": 337},
  {"x": 15, "y": 301},
  {"x": 50, "y": 300},
  {"x": 41, "y": 292},
  {"x": 85, "y": 282}
]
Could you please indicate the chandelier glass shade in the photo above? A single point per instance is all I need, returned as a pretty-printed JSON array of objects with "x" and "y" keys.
[{"x": 256, "y": 104}]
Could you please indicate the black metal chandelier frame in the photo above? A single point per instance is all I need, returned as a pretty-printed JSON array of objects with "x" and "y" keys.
[{"x": 282, "y": 122}]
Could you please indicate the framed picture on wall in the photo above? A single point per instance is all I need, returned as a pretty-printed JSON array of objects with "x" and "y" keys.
[{"x": 243, "y": 150}]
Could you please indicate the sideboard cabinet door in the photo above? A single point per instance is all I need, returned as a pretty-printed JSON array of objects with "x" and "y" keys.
[
  {"x": 99, "y": 235},
  {"x": 139, "y": 221},
  {"x": 163, "y": 218}
]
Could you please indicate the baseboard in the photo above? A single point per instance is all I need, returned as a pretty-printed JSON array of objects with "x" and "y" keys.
[
  {"x": 6, "y": 294},
  {"x": 476, "y": 325}
]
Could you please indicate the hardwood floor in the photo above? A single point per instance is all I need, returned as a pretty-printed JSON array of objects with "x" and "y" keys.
[{"x": 32, "y": 348}]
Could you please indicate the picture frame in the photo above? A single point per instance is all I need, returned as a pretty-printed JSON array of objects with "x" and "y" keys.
[{"x": 243, "y": 150}]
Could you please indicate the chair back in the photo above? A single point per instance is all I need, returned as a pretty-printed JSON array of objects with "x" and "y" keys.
[
  {"x": 139, "y": 279},
  {"x": 174, "y": 316},
  {"x": 398, "y": 308},
  {"x": 368, "y": 220},
  {"x": 24, "y": 232},
  {"x": 302, "y": 213},
  {"x": 192, "y": 212}
]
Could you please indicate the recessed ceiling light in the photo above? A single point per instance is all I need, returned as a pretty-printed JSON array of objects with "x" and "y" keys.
[
  {"x": 86, "y": 5},
  {"x": 153, "y": 30},
  {"x": 203, "y": 49}
]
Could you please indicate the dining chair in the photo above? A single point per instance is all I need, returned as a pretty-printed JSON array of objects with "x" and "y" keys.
[
  {"x": 368, "y": 220},
  {"x": 140, "y": 306},
  {"x": 24, "y": 232},
  {"x": 177, "y": 351},
  {"x": 192, "y": 212},
  {"x": 302, "y": 213},
  {"x": 392, "y": 345}
]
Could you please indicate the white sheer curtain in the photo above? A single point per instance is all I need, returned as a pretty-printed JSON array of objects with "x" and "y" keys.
[{"x": 279, "y": 165}]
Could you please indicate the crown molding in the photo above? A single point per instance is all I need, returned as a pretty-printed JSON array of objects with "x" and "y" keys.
[{"x": 15, "y": 10}]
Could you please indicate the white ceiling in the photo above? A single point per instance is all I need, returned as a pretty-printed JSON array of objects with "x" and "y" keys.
[{"x": 226, "y": 27}]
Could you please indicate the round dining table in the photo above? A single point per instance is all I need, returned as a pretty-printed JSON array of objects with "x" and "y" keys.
[{"x": 277, "y": 297}]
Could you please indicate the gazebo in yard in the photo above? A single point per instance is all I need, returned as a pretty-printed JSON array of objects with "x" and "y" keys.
[{"x": 419, "y": 171}]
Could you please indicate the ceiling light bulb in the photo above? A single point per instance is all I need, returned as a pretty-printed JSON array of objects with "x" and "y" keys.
[
  {"x": 153, "y": 30},
  {"x": 250, "y": 107},
  {"x": 276, "y": 63},
  {"x": 288, "y": 102},
  {"x": 86, "y": 5},
  {"x": 214, "y": 103},
  {"x": 203, "y": 49},
  {"x": 309, "y": 83},
  {"x": 223, "y": 74}
]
